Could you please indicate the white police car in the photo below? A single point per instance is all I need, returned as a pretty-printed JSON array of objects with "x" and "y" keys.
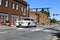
[{"x": 26, "y": 22}]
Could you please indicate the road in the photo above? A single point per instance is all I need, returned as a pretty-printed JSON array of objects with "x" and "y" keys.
[{"x": 26, "y": 34}]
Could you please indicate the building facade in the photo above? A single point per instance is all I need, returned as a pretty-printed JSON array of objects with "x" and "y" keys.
[
  {"x": 40, "y": 17},
  {"x": 11, "y": 10}
]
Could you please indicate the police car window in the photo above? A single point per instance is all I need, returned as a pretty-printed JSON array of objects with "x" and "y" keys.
[
  {"x": 32, "y": 20},
  {"x": 25, "y": 19}
]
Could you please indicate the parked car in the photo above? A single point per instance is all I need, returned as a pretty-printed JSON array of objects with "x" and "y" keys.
[{"x": 26, "y": 22}]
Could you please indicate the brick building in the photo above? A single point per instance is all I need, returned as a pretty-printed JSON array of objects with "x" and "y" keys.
[
  {"x": 12, "y": 9},
  {"x": 43, "y": 18}
]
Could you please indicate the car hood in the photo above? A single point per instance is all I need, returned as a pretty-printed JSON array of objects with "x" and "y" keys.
[{"x": 25, "y": 21}]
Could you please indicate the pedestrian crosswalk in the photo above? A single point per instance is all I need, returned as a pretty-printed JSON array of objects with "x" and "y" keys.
[
  {"x": 3, "y": 32},
  {"x": 34, "y": 29},
  {"x": 20, "y": 28},
  {"x": 40, "y": 30}
]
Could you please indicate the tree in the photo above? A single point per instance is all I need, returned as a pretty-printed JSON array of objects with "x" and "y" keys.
[
  {"x": 43, "y": 11},
  {"x": 54, "y": 20}
]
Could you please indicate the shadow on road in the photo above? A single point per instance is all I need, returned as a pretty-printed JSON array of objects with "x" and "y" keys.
[
  {"x": 57, "y": 35},
  {"x": 53, "y": 29}
]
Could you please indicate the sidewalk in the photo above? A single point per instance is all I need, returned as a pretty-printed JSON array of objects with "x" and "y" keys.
[
  {"x": 55, "y": 26},
  {"x": 6, "y": 27},
  {"x": 55, "y": 38}
]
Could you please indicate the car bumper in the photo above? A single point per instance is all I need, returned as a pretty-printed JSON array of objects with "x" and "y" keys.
[{"x": 26, "y": 25}]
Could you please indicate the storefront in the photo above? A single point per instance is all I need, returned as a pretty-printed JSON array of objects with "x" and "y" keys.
[
  {"x": 13, "y": 18},
  {"x": 3, "y": 17}
]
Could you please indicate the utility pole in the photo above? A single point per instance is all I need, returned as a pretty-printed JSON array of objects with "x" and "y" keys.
[{"x": 28, "y": 9}]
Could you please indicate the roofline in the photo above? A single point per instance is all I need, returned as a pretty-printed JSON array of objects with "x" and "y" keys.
[{"x": 22, "y": 2}]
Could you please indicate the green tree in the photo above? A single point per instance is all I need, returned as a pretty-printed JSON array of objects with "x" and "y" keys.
[
  {"x": 54, "y": 20},
  {"x": 43, "y": 11}
]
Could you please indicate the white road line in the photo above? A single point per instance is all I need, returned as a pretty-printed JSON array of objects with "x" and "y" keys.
[
  {"x": 3, "y": 32},
  {"x": 41, "y": 29},
  {"x": 20, "y": 28},
  {"x": 36, "y": 30}
]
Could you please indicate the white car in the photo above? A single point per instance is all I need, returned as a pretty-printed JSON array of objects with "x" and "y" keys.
[{"x": 26, "y": 22}]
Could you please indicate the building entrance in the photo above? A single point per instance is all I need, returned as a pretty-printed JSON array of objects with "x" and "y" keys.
[
  {"x": 13, "y": 18},
  {"x": 3, "y": 17}
]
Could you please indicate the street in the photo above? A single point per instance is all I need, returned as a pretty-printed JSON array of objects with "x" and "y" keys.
[
  {"x": 24, "y": 35},
  {"x": 27, "y": 34}
]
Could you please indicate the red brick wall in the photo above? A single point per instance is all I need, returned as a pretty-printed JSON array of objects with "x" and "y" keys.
[{"x": 9, "y": 10}]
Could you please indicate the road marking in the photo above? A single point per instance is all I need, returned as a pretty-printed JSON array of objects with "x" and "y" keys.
[
  {"x": 35, "y": 30},
  {"x": 41, "y": 29},
  {"x": 20, "y": 28},
  {"x": 3, "y": 32}
]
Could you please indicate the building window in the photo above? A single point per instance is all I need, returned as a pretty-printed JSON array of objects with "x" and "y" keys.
[
  {"x": 14, "y": 18},
  {"x": 24, "y": 13},
  {"x": 13, "y": 5},
  {"x": 5, "y": 3},
  {"x": 22, "y": 9},
  {"x": 3, "y": 16},
  {"x": 17, "y": 7},
  {"x": 0, "y": 2}
]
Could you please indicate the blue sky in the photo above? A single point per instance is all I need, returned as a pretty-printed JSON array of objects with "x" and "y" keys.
[{"x": 54, "y": 6}]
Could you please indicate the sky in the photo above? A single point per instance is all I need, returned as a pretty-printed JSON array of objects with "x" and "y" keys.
[{"x": 54, "y": 6}]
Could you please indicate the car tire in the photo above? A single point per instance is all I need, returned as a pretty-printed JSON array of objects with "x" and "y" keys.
[
  {"x": 29, "y": 25},
  {"x": 26, "y": 26},
  {"x": 17, "y": 26},
  {"x": 35, "y": 26}
]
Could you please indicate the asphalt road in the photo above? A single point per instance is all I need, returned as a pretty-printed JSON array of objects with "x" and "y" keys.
[
  {"x": 24, "y": 35},
  {"x": 27, "y": 34}
]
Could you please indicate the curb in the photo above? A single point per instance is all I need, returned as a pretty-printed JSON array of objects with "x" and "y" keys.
[{"x": 7, "y": 27}]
